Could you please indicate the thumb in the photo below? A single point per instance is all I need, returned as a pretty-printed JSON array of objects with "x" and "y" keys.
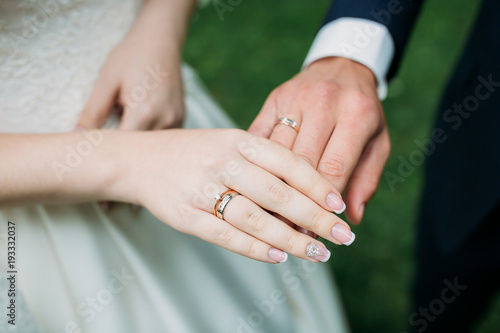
[{"x": 99, "y": 104}]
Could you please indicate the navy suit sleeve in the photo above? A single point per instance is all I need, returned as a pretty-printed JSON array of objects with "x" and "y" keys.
[{"x": 397, "y": 15}]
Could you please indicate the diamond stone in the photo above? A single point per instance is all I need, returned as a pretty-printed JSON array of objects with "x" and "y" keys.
[{"x": 313, "y": 250}]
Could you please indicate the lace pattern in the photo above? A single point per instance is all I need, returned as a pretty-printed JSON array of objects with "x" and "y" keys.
[{"x": 50, "y": 55}]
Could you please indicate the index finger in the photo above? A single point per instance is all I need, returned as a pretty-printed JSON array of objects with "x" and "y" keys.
[
  {"x": 296, "y": 172},
  {"x": 343, "y": 151},
  {"x": 100, "y": 102},
  {"x": 313, "y": 137}
]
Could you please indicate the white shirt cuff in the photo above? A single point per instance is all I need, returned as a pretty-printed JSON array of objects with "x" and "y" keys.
[{"x": 365, "y": 41}]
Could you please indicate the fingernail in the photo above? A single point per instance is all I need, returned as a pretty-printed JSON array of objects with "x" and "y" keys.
[
  {"x": 342, "y": 234},
  {"x": 78, "y": 128},
  {"x": 335, "y": 203},
  {"x": 318, "y": 252},
  {"x": 277, "y": 255}
]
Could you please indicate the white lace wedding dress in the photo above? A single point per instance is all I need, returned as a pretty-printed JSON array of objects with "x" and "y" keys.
[{"x": 83, "y": 270}]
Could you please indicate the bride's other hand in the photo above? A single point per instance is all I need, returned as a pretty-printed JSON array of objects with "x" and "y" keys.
[
  {"x": 177, "y": 175},
  {"x": 142, "y": 76}
]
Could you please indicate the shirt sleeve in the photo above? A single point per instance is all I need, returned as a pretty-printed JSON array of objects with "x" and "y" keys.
[{"x": 365, "y": 41}]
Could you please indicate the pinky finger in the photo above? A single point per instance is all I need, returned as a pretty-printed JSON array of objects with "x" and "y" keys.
[
  {"x": 365, "y": 178},
  {"x": 220, "y": 233}
]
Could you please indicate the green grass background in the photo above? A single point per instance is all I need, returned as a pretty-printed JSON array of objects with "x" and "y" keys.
[{"x": 260, "y": 44}]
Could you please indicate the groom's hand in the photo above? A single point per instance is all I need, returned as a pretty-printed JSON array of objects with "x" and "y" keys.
[{"x": 343, "y": 132}]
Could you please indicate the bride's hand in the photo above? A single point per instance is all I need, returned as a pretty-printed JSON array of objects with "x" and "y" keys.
[
  {"x": 144, "y": 85},
  {"x": 142, "y": 75},
  {"x": 177, "y": 175}
]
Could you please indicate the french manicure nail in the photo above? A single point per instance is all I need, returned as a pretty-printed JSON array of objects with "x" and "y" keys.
[
  {"x": 342, "y": 234},
  {"x": 335, "y": 203},
  {"x": 277, "y": 255},
  {"x": 318, "y": 252}
]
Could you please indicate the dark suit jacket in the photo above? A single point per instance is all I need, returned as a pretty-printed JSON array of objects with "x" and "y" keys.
[{"x": 462, "y": 184}]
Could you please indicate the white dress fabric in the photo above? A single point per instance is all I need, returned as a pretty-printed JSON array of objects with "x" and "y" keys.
[{"x": 83, "y": 270}]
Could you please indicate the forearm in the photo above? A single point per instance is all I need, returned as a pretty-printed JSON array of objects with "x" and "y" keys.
[
  {"x": 57, "y": 168},
  {"x": 165, "y": 21}
]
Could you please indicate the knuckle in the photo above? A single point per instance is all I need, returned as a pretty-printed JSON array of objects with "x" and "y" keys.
[
  {"x": 292, "y": 242},
  {"x": 277, "y": 92},
  {"x": 333, "y": 167},
  {"x": 308, "y": 155},
  {"x": 225, "y": 236},
  {"x": 212, "y": 163},
  {"x": 308, "y": 158},
  {"x": 316, "y": 181},
  {"x": 281, "y": 141},
  {"x": 317, "y": 220},
  {"x": 253, "y": 248},
  {"x": 231, "y": 136},
  {"x": 288, "y": 159},
  {"x": 358, "y": 100},
  {"x": 326, "y": 91},
  {"x": 278, "y": 95},
  {"x": 286, "y": 88},
  {"x": 363, "y": 107},
  {"x": 279, "y": 194},
  {"x": 256, "y": 221}
]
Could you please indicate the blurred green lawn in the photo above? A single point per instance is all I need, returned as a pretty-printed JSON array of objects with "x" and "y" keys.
[{"x": 259, "y": 45}]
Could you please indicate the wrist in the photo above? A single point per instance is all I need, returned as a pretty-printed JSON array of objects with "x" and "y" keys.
[
  {"x": 91, "y": 166},
  {"x": 346, "y": 69},
  {"x": 167, "y": 20},
  {"x": 114, "y": 163},
  {"x": 136, "y": 160}
]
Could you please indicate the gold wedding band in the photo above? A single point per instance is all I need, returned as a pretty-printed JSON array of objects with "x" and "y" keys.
[
  {"x": 222, "y": 201},
  {"x": 288, "y": 122}
]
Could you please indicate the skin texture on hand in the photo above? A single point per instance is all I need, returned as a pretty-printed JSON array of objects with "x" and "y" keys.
[
  {"x": 179, "y": 180},
  {"x": 343, "y": 132},
  {"x": 142, "y": 76}
]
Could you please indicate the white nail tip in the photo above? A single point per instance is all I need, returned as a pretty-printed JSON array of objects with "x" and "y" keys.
[
  {"x": 353, "y": 237},
  {"x": 286, "y": 257},
  {"x": 328, "y": 257},
  {"x": 340, "y": 211}
]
